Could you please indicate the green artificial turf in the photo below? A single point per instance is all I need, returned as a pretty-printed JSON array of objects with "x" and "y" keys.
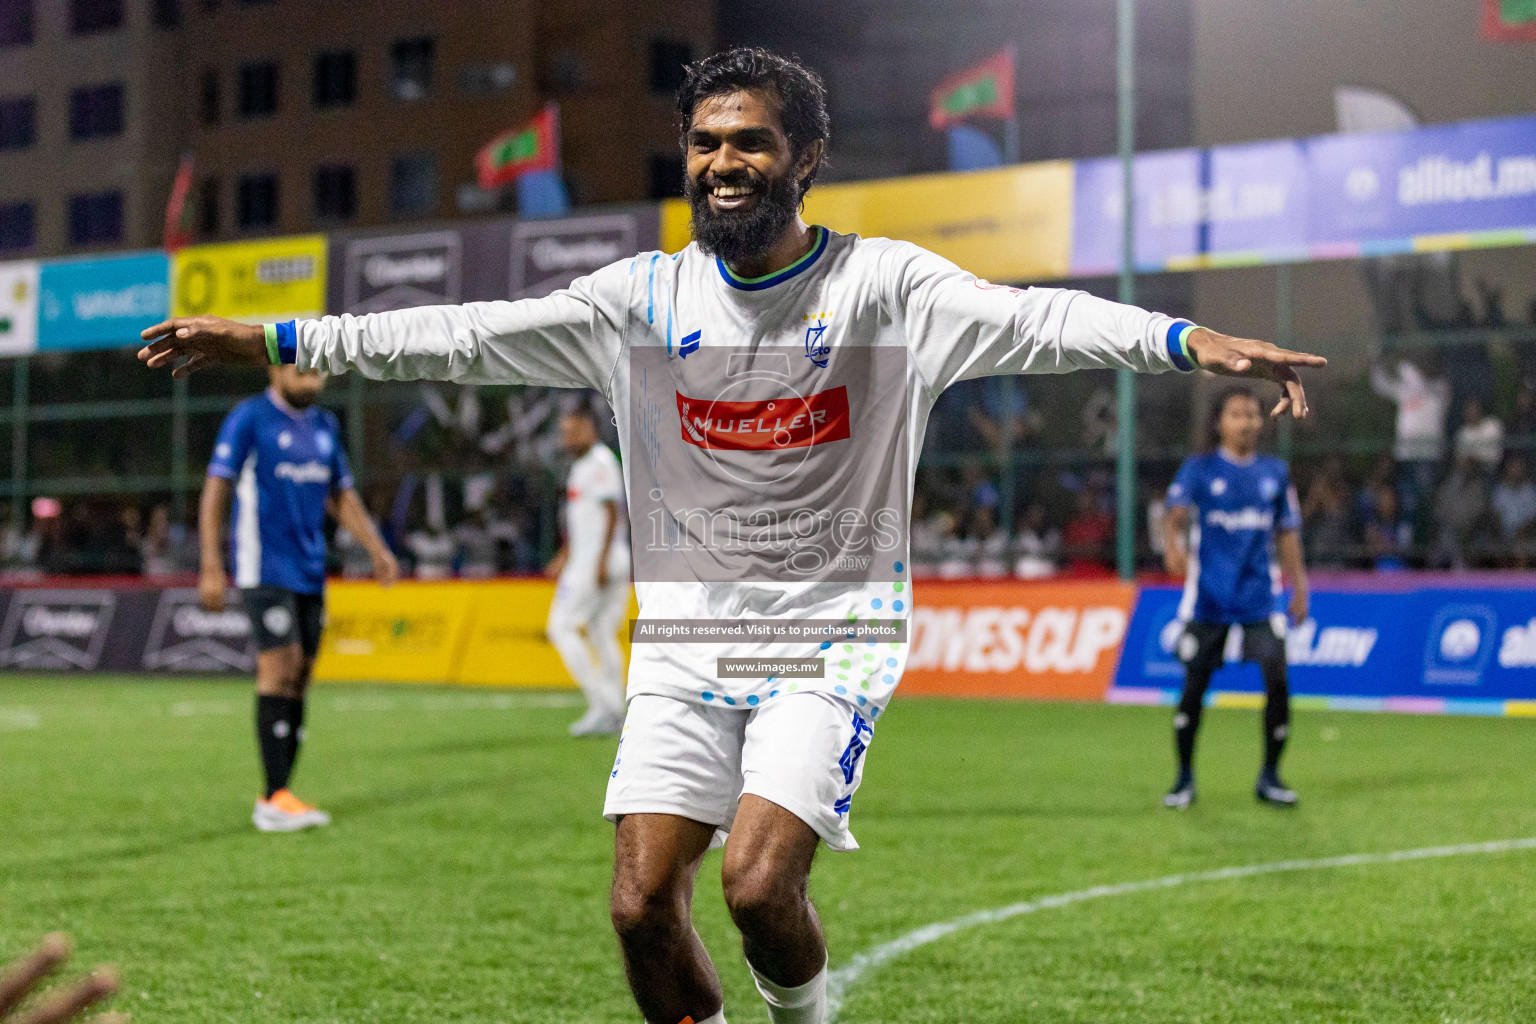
[{"x": 465, "y": 876}]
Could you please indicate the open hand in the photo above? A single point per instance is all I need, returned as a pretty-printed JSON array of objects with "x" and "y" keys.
[
  {"x": 1245, "y": 357},
  {"x": 202, "y": 341},
  {"x": 65, "y": 1004}
]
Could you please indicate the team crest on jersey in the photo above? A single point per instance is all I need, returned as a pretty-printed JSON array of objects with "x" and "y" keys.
[
  {"x": 1268, "y": 488},
  {"x": 323, "y": 443},
  {"x": 1218, "y": 487},
  {"x": 817, "y": 348}
]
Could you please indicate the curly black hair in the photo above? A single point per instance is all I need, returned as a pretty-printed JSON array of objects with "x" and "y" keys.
[{"x": 801, "y": 93}]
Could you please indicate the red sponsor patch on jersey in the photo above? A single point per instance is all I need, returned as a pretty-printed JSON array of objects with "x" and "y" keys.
[{"x": 767, "y": 425}]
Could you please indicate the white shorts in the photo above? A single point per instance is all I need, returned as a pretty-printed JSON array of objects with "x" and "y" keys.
[{"x": 802, "y": 751}]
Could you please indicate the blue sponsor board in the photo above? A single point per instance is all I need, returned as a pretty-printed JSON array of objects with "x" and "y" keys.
[
  {"x": 101, "y": 303},
  {"x": 1376, "y": 192},
  {"x": 1332, "y": 196},
  {"x": 1426, "y": 649}
]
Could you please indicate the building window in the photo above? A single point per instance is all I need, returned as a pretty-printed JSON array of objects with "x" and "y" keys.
[
  {"x": 18, "y": 122},
  {"x": 208, "y": 219},
  {"x": 209, "y": 100},
  {"x": 486, "y": 79},
  {"x": 668, "y": 59},
  {"x": 413, "y": 185},
  {"x": 96, "y": 111},
  {"x": 256, "y": 201},
  {"x": 335, "y": 192},
  {"x": 335, "y": 78},
  {"x": 15, "y": 23},
  {"x": 258, "y": 89},
  {"x": 96, "y": 219},
  {"x": 167, "y": 13},
  {"x": 666, "y": 175},
  {"x": 410, "y": 68},
  {"x": 18, "y": 227},
  {"x": 90, "y": 16}
]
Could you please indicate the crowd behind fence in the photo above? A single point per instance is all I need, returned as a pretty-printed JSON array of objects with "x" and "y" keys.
[{"x": 1424, "y": 461}]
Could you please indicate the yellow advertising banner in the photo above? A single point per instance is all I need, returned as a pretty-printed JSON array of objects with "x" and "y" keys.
[
  {"x": 1006, "y": 224},
  {"x": 409, "y": 633},
  {"x": 271, "y": 279},
  {"x": 478, "y": 633}
]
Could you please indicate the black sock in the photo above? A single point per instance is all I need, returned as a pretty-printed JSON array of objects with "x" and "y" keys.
[
  {"x": 1186, "y": 721},
  {"x": 277, "y": 724},
  {"x": 296, "y": 737},
  {"x": 1277, "y": 716}
]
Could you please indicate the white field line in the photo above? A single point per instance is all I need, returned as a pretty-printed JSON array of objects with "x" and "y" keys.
[
  {"x": 840, "y": 980},
  {"x": 16, "y": 719}
]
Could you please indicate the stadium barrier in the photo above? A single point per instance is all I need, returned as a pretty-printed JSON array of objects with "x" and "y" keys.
[{"x": 1408, "y": 643}]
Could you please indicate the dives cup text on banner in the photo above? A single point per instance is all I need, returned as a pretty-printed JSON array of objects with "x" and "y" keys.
[
  {"x": 273, "y": 279},
  {"x": 100, "y": 303},
  {"x": 1007, "y": 639},
  {"x": 18, "y": 308}
]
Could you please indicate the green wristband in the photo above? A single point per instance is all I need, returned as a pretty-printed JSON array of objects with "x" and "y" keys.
[{"x": 270, "y": 330}]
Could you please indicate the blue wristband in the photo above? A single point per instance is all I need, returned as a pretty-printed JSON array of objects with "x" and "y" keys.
[
  {"x": 287, "y": 344},
  {"x": 1178, "y": 345}
]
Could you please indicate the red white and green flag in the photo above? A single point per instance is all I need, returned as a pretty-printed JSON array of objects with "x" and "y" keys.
[
  {"x": 177, "y": 234},
  {"x": 985, "y": 90},
  {"x": 533, "y": 147},
  {"x": 1509, "y": 20}
]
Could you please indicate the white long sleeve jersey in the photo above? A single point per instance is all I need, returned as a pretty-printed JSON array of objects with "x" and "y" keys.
[{"x": 636, "y": 330}]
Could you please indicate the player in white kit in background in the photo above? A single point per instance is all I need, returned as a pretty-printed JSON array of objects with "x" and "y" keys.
[{"x": 592, "y": 569}]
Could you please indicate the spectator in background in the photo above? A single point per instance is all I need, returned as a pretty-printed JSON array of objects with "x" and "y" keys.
[
  {"x": 1461, "y": 508},
  {"x": 1514, "y": 501},
  {"x": 1326, "y": 515},
  {"x": 956, "y": 551},
  {"x": 991, "y": 544},
  {"x": 159, "y": 549},
  {"x": 927, "y": 539},
  {"x": 1088, "y": 535},
  {"x": 1388, "y": 534},
  {"x": 1422, "y": 402},
  {"x": 476, "y": 547},
  {"x": 998, "y": 411},
  {"x": 1037, "y": 546},
  {"x": 1481, "y": 437},
  {"x": 1383, "y": 475}
]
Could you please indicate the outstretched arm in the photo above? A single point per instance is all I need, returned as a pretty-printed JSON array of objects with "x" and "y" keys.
[
  {"x": 570, "y": 338},
  {"x": 961, "y": 327}
]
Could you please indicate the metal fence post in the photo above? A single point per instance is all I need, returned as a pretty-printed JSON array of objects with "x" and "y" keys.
[
  {"x": 179, "y": 475},
  {"x": 1125, "y": 380},
  {"x": 1284, "y": 329},
  {"x": 355, "y": 432},
  {"x": 21, "y": 374}
]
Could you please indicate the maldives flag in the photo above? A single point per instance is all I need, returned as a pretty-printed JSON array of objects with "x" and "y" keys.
[
  {"x": 1509, "y": 20},
  {"x": 176, "y": 233},
  {"x": 533, "y": 147},
  {"x": 985, "y": 90}
]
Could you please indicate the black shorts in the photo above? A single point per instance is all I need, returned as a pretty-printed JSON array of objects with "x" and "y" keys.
[
  {"x": 281, "y": 617},
  {"x": 1203, "y": 644}
]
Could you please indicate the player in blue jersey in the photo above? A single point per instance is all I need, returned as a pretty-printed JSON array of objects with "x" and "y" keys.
[
  {"x": 281, "y": 457},
  {"x": 1229, "y": 512}
]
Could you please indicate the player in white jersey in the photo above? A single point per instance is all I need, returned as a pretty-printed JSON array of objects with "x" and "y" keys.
[
  {"x": 773, "y": 381},
  {"x": 592, "y": 570}
]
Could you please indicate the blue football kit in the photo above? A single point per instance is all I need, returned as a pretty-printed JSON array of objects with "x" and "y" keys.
[
  {"x": 1235, "y": 509},
  {"x": 285, "y": 463}
]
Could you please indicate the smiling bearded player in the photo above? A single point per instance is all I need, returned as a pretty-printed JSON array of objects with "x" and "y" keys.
[{"x": 773, "y": 381}]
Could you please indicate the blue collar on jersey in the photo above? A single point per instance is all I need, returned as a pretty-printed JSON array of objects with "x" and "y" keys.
[{"x": 800, "y": 266}]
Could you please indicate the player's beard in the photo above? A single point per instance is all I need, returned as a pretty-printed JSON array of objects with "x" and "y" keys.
[{"x": 738, "y": 236}]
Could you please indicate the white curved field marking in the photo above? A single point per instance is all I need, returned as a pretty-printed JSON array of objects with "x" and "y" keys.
[{"x": 840, "y": 980}]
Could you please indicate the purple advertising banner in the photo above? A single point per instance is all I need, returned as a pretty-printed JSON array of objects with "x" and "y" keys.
[
  {"x": 1376, "y": 192},
  {"x": 1247, "y": 203},
  {"x": 1333, "y": 196}
]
